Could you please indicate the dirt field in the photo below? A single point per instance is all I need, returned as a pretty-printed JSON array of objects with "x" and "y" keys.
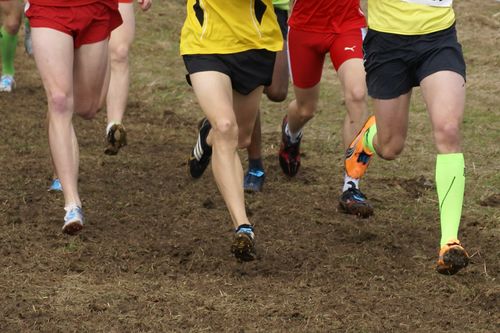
[{"x": 154, "y": 255}]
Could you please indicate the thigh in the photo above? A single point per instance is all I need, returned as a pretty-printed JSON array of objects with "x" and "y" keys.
[
  {"x": 444, "y": 95},
  {"x": 215, "y": 95},
  {"x": 352, "y": 76},
  {"x": 306, "y": 55},
  {"x": 392, "y": 121},
  {"x": 53, "y": 53},
  {"x": 124, "y": 34},
  {"x": 91, "y": 62},
  {"x": 345, "y": 46},
  {"x": 246, "y": 108}
]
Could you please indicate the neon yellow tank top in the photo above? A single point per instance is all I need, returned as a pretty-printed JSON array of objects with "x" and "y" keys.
[
  {"x": 223, "y": 27},
  {"x": 410, "y": 17}
]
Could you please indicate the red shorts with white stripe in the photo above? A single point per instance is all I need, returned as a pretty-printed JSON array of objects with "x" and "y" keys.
[{"x": 307, "y": 51}]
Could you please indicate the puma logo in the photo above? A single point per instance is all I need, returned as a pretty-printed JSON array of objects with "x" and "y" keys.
[{"x": 349, "y": 48}]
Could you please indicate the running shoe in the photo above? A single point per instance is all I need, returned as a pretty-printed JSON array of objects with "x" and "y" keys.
[
  {"x": 55, "y": 186},
  {"x": 289, "y": 154},
  {"x": 73, "y": 220},
  {"x": 356, "y": 157},
  {"x": 254, "y": 180},
  {"x": 7, "y": 83},
  {"x": 28, "y": 46},
  {"x": 452, "y": 258},
  {"x": 354, "y": 202},
  {"x": 116, "y": 139},
  {"x": 202, "y": 152},
  {"x": 243, "y": 246}
]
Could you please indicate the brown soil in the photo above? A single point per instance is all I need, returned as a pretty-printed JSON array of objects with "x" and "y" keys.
[{"x": 154, "y": 254}]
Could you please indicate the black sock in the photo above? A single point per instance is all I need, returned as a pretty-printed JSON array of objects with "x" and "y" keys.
[{"x": 255, "y": 164}]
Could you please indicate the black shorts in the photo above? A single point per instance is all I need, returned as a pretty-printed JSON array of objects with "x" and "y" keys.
[
  {"x": 247, "y": 70},
  {"x": 282, "y": 16},
  {"x": 395, "y": 64}
]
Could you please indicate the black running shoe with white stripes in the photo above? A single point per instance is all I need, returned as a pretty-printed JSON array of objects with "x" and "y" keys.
[{"x": 202, "y": 152}]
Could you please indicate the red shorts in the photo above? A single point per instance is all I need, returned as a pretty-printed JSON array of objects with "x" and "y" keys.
[
  {"x": 87, "y": 24},
  {"x": 307, "y": 51}
]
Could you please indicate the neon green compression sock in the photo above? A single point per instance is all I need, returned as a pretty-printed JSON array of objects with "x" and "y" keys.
[
  {"x": 368, "y": 138},
  {"x": 450, "y": 184},
  {"x": 8, "y": 45}
]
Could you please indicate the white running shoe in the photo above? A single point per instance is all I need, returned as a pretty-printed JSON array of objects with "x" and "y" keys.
[
  {"x": 73, "y": 220},
  {"x": 7, "y": 83}
]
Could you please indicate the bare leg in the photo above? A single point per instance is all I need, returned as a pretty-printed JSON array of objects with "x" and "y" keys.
[
  {"x": 215, "y": 95},
  {"x": 352, "y": 78},
  {"x": 119, "y": 46},
  {"x": 276, "y": 92}
]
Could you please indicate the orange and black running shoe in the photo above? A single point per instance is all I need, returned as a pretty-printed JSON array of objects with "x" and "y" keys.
[{"x": 452, "y": 258}]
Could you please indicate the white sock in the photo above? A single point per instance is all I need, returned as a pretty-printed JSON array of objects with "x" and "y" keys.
[
  {"x": 110, "y": 124},
  {"x": 349, "y": 181},
  {"x": 294, "y": 137},
  {"x": 70, "y": 206}
]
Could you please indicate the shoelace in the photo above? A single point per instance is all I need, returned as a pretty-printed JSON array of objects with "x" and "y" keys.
[{"x": 356, "y": 192}]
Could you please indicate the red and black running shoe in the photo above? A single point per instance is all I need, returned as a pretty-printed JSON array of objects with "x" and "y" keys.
[{"x": 289, "y": 154}]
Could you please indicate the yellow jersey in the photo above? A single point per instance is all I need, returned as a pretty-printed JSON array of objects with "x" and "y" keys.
[
  {"x": 224, "y": 27},
  {"x": 410, "y": 17}
]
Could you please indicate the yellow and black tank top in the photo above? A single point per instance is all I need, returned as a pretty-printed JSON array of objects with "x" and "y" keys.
[
  {"x": 410, "y": 17},
  {"x": 229, "y": 26}
]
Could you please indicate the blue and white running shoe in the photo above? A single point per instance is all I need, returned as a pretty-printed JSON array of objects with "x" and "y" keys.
[
  {"x": 254, "y": 180},
  {"x": 73, "y": 220},
  {"x": 7, "y": 83},
  {"x": 55, "y": 186},
  {"x": 243, "y": 246}
]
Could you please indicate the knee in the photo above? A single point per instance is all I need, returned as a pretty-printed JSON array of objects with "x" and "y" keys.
[
  {"x": 277, "y": 94},
  {"x": 87, "y": 110},
  {"x": 59, "y": 102},
  {"x": 356, "y": 94},
  {"x": 447, "y": 137},
  {"x": 119, "y": 54},
  {"x": 306, "y": 110},
  {"x": 390, "y": 152},
  {"x": 225, "y": 131},
  {"x": 12, "y": 26}
]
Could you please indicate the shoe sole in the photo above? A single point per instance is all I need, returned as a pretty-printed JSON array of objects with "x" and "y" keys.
[
  {"x": 72, "y": 228},
  {"x": 120, "y": 140},
  {"x": 363, "y": 211},
  {"x": 243, "y": 248},
  {"x": 453, "y": 261}
]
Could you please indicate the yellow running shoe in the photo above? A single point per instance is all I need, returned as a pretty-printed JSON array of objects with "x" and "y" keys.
[
  {"x": 452, "y": 258},
  {"x": 356, "y": 157}
]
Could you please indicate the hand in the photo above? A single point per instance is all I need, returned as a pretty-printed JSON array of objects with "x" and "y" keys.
[{"x": 145, "y": 4}]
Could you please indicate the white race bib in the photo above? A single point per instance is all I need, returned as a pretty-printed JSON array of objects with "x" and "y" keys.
[{"x": 433, "y": 3}]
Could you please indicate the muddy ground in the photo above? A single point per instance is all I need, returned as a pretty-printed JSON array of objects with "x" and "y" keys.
[{"x": 154, "y": 255}]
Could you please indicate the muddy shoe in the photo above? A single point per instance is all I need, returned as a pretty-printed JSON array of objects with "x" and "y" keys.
[
  {"x": 254, "y": 180},
  {"x": 452, "y": 258},
  {"x": 354, "y": 202},
  {"x": 73, "y": 220},
  {"x": 243, "y": 246},
  {"x": 289, "y": 153},
  {"x": 115, "y": 139}
]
